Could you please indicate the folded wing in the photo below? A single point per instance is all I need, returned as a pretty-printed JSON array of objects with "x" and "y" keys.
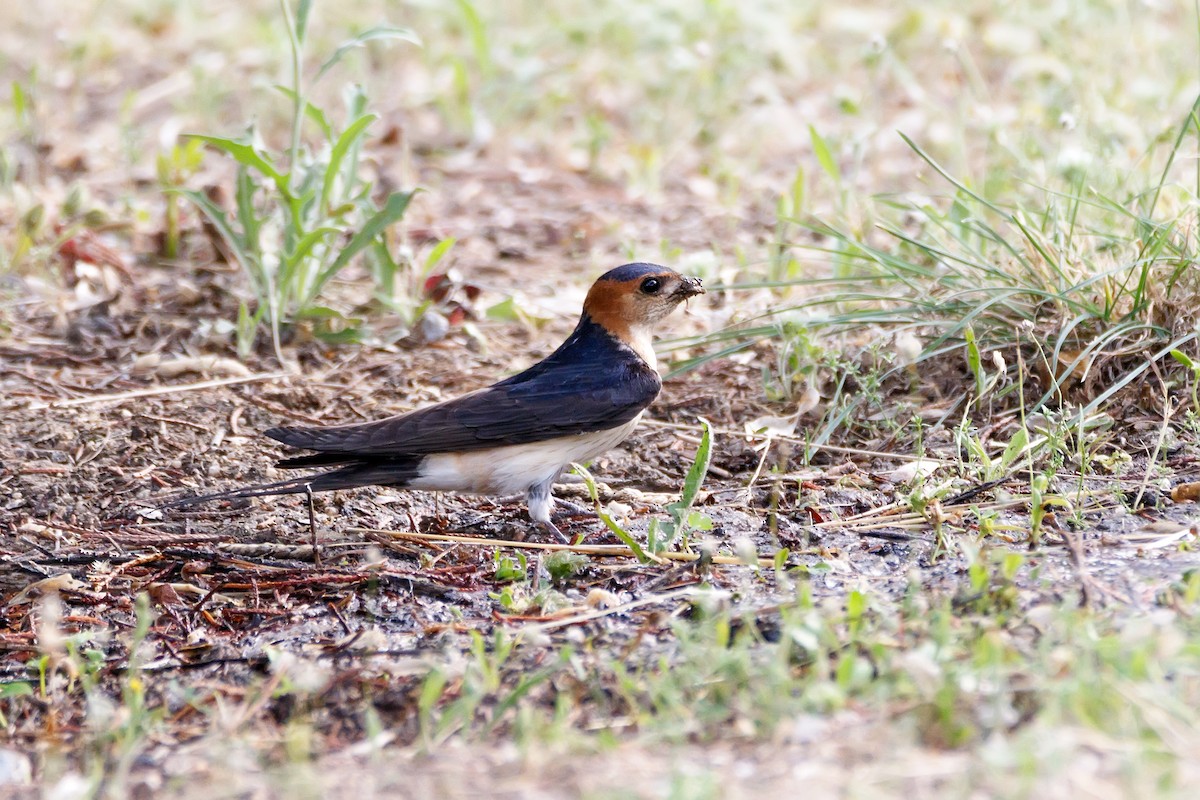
[{"x": 558, "y": 397}]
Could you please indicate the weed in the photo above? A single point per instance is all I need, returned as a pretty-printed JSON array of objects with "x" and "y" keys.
[
  {"x": 663, "y": 534},
  {"x": 509, "y": 568},
  {"x": 1084, "y": 285},
  {"x": 1193, "y": 369},
  {"x": 684, "y": 520},
  {"x": 174, "y": 168},
  {"x": 1041, "y": 501},
  {"x": 302, "y": 216},
  {"x": 562, "y": 565},
  {"x": 490, "y": 687}
]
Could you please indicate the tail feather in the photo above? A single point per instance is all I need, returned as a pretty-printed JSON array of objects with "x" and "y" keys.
[
  {"x": 318, "y": 460},
  {"x": 290, "y": 486},
  {"x": 351, "y": 476}
]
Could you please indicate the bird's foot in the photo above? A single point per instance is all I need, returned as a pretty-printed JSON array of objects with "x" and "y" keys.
[{"x": 550, "y": 527}]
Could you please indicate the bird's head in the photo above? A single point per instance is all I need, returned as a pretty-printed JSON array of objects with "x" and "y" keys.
[{"x": 628, "y": 300}]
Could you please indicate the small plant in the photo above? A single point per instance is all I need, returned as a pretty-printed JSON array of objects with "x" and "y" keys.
[
  {"x": 509, "y": 568},
  {"x": 661, "y": 534},
  {"x": 302, "y": 216},
  {"x": 626, "y": 538},
  {"x": 991, "y": 575},
  {"x": 684, "y": 519},
  {"x": 174, "y": 168},
  {"x": 1194, "y": 368},
  {"x": 490, "y": 687},
  {"x": 985, "y": 466},
  {"x": 800, "y": 359},
  {"x": 1040, "y": 503},
  {"x": 562, "y": 565}
]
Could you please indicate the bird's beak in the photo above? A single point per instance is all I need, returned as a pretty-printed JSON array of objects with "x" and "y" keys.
[{"x": 688, "y": 287}]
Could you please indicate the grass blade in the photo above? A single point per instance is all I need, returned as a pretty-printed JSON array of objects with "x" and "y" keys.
[{"x": 378, "y": 33}]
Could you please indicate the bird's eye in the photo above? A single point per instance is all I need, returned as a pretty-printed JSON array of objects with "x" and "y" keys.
[{"x": 651, "y": 285}]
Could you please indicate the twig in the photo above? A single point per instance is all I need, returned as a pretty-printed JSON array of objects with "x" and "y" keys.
[
  {"x": 609, "y": 550},
  {"x": 541, "y": 627},
  {"x": 156, "y": 390},
  {"x": 312, "y": 524},
  {"x": 183, "y": 422},
  {"x": 832, "y": 448}
]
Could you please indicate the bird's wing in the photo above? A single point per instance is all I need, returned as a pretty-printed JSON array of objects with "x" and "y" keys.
[{"x": 570, "y": 398}]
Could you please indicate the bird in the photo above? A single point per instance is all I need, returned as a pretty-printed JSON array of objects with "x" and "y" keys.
[{"x": 517, "y": 436}]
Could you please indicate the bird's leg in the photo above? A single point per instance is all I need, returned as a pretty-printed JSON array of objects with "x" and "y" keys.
[{"x": 540, "y": 502}]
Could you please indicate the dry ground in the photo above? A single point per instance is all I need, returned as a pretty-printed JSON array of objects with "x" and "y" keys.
[
  {"x": 238, "y": 591},
  {"x": 287, "y": 655}
]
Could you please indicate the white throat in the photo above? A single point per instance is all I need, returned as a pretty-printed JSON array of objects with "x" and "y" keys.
[{"x": 642, "y": 343}]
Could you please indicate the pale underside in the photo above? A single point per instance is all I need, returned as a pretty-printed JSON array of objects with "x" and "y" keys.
[{"x": 517, "y": 469}]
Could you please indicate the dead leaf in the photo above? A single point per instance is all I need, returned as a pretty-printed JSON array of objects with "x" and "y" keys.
[
  {"x": 906, "y": 473},
  {"x": 155, "y": 364},
  {"x": 53, "y": 585},
  {"x": 1186, "y": 493},
  {"x": 772, "y": 426}
]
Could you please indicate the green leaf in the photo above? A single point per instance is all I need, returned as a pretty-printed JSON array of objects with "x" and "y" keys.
[
  {"x": 1183, "y": 358},
  {"x": 824, "y": 155},
  {"x": 564, "y": 564},
  {"x": 797, "y": 195},
  {"x": 341, "y": 336},
  {"x": 1016, "y": 447},
  {"x": 617, "y": 530},
  {"x": 20, "y": 101},
  {"x": 246, "y": 325},
  {"x": 588, "y": 481},
  {"x": 1011, "y": 562},
  {"x": 15, "y": 689},
  {"x": 781, "y": 557},
  {"x": 625, "y": 537},
  {"x": 349, "y": 137},
  {"x": 302, "y": 12},
  {"x": 303, "y": 248},
  {"x": 246, "y": 155},
  {"x": 391, "y": 212},
  {"x": 506, "y": 310},
  {"x": 379, "y": 32},
  {"x": 975, "y": 361},
  {"x": 856, "y": 604},
  {"x": 479, "y": 37},
  {"x": 699, "y": 468},
  {"x": 247, "y": 217},
  {"x": 511, "y": 309},
  {"x": 311, "y": 111},
  {"x": 430, "y": 694},
  {"x": 437, "y": 253},
  {"x": 320, "y": 312}
]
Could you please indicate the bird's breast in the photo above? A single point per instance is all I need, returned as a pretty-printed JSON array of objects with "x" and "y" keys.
[{"x": 512, "y": 469}]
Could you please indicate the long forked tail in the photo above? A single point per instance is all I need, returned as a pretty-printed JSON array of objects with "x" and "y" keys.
[
  {"x": 351, "y": 476},
  {"x": 290, "y": 486}
]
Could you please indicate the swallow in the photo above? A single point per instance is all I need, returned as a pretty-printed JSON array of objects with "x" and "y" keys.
[{"x": 516, "y": 436}]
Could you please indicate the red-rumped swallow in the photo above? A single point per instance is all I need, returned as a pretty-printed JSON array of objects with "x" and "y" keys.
[{"x": 516, "y": 436}]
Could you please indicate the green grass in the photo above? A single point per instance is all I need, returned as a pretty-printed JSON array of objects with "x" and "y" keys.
[
  {"x": 1048, "y": 298},
  {"x": 1020, "y": 691},
  {"x": 947, "y": 673}
]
